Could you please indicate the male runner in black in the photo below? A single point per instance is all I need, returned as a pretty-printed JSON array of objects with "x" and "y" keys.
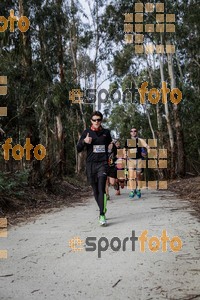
[{"x": 96, "y": 139}]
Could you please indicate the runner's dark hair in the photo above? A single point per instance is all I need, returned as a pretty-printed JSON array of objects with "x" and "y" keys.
[{"x": 97, "y": 113}]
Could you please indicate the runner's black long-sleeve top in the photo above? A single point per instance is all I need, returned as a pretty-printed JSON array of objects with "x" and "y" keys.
[{"x": 101, "y": 137}]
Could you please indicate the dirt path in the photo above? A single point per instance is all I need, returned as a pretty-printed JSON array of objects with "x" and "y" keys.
[{"x": 41, "y": 265}]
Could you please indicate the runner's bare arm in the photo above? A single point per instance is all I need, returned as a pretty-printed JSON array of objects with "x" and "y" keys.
[{"x": 144, "y": 144}]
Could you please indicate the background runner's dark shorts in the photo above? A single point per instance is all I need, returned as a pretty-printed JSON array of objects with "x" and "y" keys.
[
  {"x": 112, "y": 172},
  {"x": 95, "y": 170}
]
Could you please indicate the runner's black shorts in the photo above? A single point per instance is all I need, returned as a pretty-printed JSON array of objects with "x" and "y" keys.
[
  {"x": 95, "y": 170},
  {"x": 112, "y": 172}
]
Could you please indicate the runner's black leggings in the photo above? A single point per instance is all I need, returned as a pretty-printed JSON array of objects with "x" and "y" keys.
[
  {"x": 99, "y": 191},
  {"x": 97, "y": 176}
]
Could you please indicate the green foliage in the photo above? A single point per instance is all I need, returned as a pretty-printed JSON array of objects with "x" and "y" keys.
[{"x": 12, "y": 184}]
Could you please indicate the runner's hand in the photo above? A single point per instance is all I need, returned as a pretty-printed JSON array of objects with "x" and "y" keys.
[
  {"x": 88, "y": 140},
  {"x": 110, "y": 146}
]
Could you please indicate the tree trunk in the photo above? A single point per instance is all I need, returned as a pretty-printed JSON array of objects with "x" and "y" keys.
[
  {"x": 180, "y": 157},
  {"x": 80, "y": 161},
  {"x": 82, "y": 155},
  {"x": 59, "y": 126},
  {"x": 159, "y": 119},
  {"x": 26, "y": 41},
  {"x": 169, "y": 126},
  {"x": 60, "y": 146},
  {"x": 95, "y": 20}
]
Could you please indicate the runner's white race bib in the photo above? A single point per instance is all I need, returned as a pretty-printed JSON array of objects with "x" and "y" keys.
[{"x": 99, "y": 148}]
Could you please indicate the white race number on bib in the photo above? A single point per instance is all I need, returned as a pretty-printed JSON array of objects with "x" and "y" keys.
[{"x": 99, "y": 148}]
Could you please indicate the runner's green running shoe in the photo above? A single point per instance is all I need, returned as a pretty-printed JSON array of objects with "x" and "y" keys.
[
  {"x": 132, "y": 194},
  {"x": 138, "y": 193},
  {"x": 102, "y": 221}
]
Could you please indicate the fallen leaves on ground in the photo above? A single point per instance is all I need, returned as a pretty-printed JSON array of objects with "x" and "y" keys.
[{"x": 188, "y": 189}]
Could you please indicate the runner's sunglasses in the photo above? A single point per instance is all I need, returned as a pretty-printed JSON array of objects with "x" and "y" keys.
[{"x": 96, "y": 120}]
